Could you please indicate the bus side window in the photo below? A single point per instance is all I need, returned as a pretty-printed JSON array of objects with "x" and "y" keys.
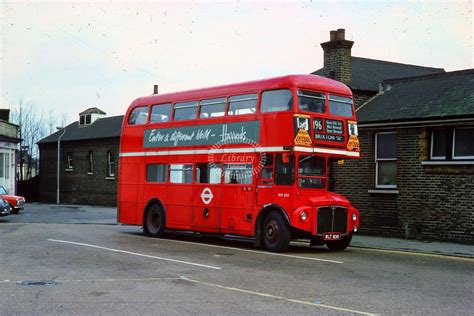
[
  {"x": 242, "y": 104},
  {"x": 238, "y": 173},
  {"x": 185, "y": 111},
  {"x": 208, "y": 173},
  {"x": 139, "y": 116},
  {"x": 266, "y": 163},
  {"x": 276, "y": 100},
  {"x": 284, "y": 171},
  {"x": 161, "y": 113},
  {"x": 180, "y": 173},
  {"x": 213, "y": 107},
  {"x": 156, "y": 172}
]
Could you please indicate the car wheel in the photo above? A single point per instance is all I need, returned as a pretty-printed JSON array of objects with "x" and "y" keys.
[
  {"x": 276, "y": 233},
  {"x": 14, "y": 210},
  {"x": 340, "y": 244},
  {"x": 154, "y": 221}
]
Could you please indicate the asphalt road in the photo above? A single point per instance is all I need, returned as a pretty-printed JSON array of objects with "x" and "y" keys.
[{"x": 90, "y": 266}]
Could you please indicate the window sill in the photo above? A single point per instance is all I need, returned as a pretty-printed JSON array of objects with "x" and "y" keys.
[
  {"x": 68, "y": 170},
  {"x": 109, "y": 178},
  {"x": 384, "y": 191},
  {"x": 446, "y": 163}
]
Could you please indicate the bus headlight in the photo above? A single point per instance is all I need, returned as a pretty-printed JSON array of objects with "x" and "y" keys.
[
  {"x": 303, "y": 216},
  {"x": 354, "y": 217}
]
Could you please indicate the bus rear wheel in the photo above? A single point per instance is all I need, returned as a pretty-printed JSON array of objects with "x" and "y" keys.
[
  {"x": 340, "y": 244},
  {"x": 154, "y": 221},
  {"x": 276, "y": 233}
]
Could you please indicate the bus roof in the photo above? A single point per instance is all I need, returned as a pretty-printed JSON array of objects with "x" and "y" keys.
[{"x": 304, "y": 81}]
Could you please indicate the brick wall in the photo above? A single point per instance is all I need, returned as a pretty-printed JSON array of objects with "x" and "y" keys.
[
  {"x": 77, "y": 186},
  {"x": 337, "y": 60},
  {"x": 434, "y": 202}
]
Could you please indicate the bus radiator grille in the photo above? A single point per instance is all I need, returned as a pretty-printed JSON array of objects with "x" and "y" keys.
[{"x": 332, "y": 219}]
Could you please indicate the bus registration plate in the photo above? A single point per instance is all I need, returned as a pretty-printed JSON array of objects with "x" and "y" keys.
[{"x": 332, "y": 236}]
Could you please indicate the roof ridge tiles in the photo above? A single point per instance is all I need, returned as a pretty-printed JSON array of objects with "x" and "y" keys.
[
  {"x": 430, "y": 76},
  {"x": 398, "y": 64}
]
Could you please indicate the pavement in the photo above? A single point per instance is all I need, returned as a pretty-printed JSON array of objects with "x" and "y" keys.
[
  {"x": 416, "y": 246},
  {"x": 86, "y": 214}
]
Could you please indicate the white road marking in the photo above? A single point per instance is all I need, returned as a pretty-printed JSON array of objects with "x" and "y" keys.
[
  {"x": 255, "y": 251},
  {"x": 341, "y": 309},
  {"x": 136, "y": 254},
  {"x": 104, "y": 280}
]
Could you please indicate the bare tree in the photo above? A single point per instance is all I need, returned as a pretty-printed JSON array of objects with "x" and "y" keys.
[{"x": 33, "y": 127}]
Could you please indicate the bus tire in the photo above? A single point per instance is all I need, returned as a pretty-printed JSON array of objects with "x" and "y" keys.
[
  {"x": 275, "y": 232},
  {"x": 154, "y": 221},
  {"x": 340, "y": 244}
]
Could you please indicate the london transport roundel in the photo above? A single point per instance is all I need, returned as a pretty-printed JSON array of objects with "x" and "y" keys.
[{"x": 206, "y": 196}]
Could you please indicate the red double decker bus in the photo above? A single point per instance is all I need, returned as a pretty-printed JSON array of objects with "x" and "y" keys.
[{"x": 247, "y": 159}]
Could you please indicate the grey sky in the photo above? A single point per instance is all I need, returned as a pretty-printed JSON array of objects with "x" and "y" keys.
[{"x": 66, "y": 57}]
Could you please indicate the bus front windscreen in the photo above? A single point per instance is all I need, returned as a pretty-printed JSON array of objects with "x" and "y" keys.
[
  {"x": 311, "y": 172},
  {"x": 340, "y": 106}
]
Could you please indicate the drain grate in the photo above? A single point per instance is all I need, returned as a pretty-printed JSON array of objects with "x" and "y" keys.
[{"x": 39, "y": 283}]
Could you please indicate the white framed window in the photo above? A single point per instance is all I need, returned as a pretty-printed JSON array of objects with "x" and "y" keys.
[
  {"x": 2, "y": 165},
  {"x": 69, "y": 165},
  {"x": 7, "y": 166},
  {"x": 91, "y": 163},
  {"x": 463, "y": 143},
  {"x": 450, "y": 144},
  {"x": 438, "y": 144},
  {"x": 110, "y": 164},
  {"x": 386, "y": 160}
]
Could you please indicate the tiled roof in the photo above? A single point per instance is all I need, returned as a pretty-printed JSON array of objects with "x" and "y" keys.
[
  {"x": 438, "y": 96},
  {"x": 368, "y": 73},
  {"x": 106, "y": 127}
]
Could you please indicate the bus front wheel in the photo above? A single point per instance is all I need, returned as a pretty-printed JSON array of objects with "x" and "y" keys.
[
  {"x": 276, "y": 233},
  {"x": 154, "y": 221},
  {"x": 340, "y": 244}
]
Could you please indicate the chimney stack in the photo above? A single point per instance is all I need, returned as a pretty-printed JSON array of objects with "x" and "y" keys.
[
  {"x": 337, "y": 57},
  {"x": 341, "y": 34},
  {"x": 155, "y": 89}
]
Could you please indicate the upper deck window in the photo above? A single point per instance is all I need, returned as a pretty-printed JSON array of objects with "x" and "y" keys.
[
  {"x": 185, "y": 111},
  {"x": 311, "y": 101},
  {"x": 242, "y": 104},
  {"x": 139, "y": 116},
  {"x": 161, "y": 113},
  {"x": 340, "y": 106},
  {"x": 213, "y": 107},
  {"x": 276, "y": 100}
]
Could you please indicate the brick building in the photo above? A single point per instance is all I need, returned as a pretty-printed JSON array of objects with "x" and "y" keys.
[
  {"x": 8, "y": 151},
  {"x": 88, "y": 160},
  {"x": 416, "y": 126}
]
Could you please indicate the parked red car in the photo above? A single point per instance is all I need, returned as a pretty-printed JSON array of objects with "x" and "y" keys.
[{"x": 16, "y": 202}]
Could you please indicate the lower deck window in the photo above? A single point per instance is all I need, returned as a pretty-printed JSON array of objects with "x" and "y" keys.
[
  {"x": 156, "y": 173},
  {"x": 208, "y": 173},
  {"x": 238, "y": 173},
  {"x": 181, "y": 173},
  {"x": 284, "y": 169}
]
